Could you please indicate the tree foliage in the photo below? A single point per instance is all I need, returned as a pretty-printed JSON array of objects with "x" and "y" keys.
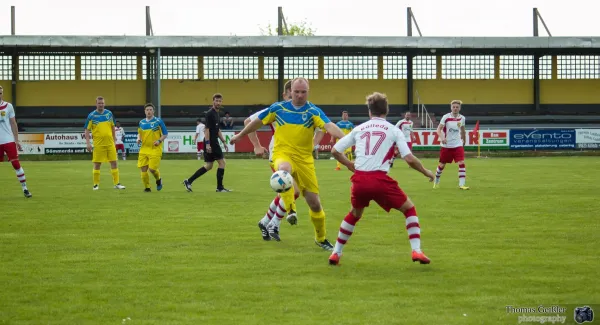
[{"x": 293, "y": 29}]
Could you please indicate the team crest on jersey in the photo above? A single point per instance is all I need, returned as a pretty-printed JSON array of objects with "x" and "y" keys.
[
  {"x": 458, "y": 124},
  {"x": 3, "y": 114},
  {"x": 304, "y": 117}
]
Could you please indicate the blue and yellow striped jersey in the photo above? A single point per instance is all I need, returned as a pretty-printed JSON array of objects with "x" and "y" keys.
[
  {"x": 345, "y": 126},
  {"x": 150, "y": 132},
  {"x": 294, "y": 128},
  {"x": 102, "y": 126}
]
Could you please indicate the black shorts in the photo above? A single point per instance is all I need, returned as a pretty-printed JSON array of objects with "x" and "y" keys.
[{"x": 216, "y": 154}]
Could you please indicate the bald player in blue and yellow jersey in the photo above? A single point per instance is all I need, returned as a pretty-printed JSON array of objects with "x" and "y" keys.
[
  {"x": 101, "y": 124},
  {"x": 346, "y": 127},
  {"x": 151, "y": 134},
  {"x": 295, "y": 122}
]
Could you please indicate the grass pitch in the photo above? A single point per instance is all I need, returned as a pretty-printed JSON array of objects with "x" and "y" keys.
[{"x": 527, "y": 233}]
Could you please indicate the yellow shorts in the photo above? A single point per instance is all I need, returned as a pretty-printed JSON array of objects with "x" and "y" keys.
[
  {"x": 102, "y": 154},
  {"x": 152, "y": 161},
  {"x": 303, "y": 172}
]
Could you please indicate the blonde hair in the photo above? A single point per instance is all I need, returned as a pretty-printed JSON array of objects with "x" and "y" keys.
[
  {"x": 456, "y": 101},
  {"x": 378, "y": 104}
]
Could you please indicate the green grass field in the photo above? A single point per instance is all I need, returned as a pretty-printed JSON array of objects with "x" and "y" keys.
[{"x": 527, "y": 233}]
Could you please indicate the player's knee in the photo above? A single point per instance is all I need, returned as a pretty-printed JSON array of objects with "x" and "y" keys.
[
  {"x": 285, "y": 166},
  {"x": 208, "y": 167},
  {"x": 16, "y": 164},
  {"x": 406, "y": 206},
  {"x": 221, "y": 163},
  {"x": 442, "y": 165}
]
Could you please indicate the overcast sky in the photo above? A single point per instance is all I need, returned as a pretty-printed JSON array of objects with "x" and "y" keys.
[{"x": 328, "y": 17}]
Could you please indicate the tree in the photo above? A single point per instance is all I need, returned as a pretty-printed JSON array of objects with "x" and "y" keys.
[{"x": 293, "y": 29}]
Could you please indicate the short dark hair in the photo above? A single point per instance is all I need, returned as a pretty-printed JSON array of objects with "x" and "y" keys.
[
  {"x": 199, "y": 120},
  {"x": 227, "y": 113},
  {"x": 344, "y": 112},
  {"x": 149, "y": 105},
  {"x": 287, "y": 86},
  {"x": 377, "y": 104},
  {"x": 217, "y": 95}
]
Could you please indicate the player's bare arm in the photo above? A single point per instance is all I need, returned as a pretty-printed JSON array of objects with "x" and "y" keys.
[
  {"x": 258, "y": 149},
  {"x": 87, "y": 140},
  {"x": 223, "y": 141},
  {"x": 416, "y": 164},
  {"x": 334, "y": 130},
  {"x": 15, "y": 131},
  {"x": 160, "y": 140},
  {"x": 252, "y": 127},
  {"x": 441, "y": 134},
  {"x": 319, "y": 134},
  {"x": 463, "y": 135},
  {"x": 207, "y": 140},
  {"x": 339, "y": 156}
]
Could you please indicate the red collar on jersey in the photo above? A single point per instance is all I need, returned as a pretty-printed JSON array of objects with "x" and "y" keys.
[{"x": 3, "y": 105}]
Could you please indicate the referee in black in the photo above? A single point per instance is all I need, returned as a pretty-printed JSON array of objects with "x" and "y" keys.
[{"x": 212, "y": 149}]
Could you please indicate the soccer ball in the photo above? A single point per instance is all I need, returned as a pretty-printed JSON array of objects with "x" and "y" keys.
[{"x": 281, "y": 181}]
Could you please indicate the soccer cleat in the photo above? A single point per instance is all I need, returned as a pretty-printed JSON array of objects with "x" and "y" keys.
[
  {"x": 147, "y": 190},
  {"x": 188, "y": 185},
  {"x": 463, "y": 187},
  {"x": 264, "y": 232},
  {"x": 292, "y": 218},
  {"x": 326, "y": 245},
  {"x": 436, "y": 185},
  {"x": 221, "y": 190},
  {"x": 419, "y": 256},
  {"x": 27, "y": 193},
  {"x": 159, "y": 184},
  {"x": 96, "y": 187},
  {"x": 274, "y": 233},
  {"x": 119, "y": 187},
  {"x": 334, "y": 259},
  {"x": 338, "y": 168}
]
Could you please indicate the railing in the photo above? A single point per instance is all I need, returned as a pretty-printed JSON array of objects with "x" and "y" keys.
[{"x": 426, "y": 120}]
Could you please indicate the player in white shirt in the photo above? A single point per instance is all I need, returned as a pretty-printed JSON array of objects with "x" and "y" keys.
[
  {"x": 375, "y": 143},
  {"x": 119, "y": 138},
  {"x": 452, "y": 134},
  {"x": 200, "y": 127},
  {"x": 406, "y": 126},
  {"x": 9, "y": 140}
]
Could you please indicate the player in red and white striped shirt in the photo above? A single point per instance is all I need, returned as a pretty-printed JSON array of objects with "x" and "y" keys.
[
  {"x": 452, "y": 134},
  {"x": 9, "y": 140},
  {"x": 375, "y": 142},
  {"x": 406, "y": 126}
]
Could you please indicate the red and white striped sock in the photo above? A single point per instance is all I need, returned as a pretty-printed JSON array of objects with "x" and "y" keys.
[
  {"x": 271, "y": 211},
  {"x": 346, "y": 230},
  {"x": 20, "y": 173},
  {"x": 279, "y": 214},
  {"x": 438, "y": 173},
  {"x": 462, "y": 174},
  {"x": 413, "y": 229}
]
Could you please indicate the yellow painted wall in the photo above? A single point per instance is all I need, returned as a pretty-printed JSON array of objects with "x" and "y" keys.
[
  {"x": 572, "y": 91},
  {"x": 235, "y": 92},
  {"x": 354, "y": 92},
  {"x": 80, "y": 93},
  {"x": 7, "y": 87},
  {"x": 475, "y": 91}
]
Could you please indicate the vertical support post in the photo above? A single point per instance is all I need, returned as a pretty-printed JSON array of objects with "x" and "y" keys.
[
  {"x": 535, "y": 22},
  {"x": 158, "y": 109},
  {"x": 408, "y": 21},
  {"x": 281, "y": 58},
  {"x": 15, "y": 58},
  {"x": 536, "y": 65},
  {"x": 148, "y": 67}
]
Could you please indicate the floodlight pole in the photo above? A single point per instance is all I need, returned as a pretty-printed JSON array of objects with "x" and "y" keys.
[
  {"x": 536, "y": 59},
  {"x": 15, "y": 57},
  {"x": 158, "y": 59},
  {"x": 409, "y": 59},
  {"x": 280, "y": 63},
  {"x": 148, "y": 66}
]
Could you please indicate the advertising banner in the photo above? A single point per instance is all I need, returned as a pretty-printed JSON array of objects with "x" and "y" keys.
[
  {"x": 65, "y": 140},
  {"x": 183, "y": 142},
  {"x": 32, "y": 143},
  {"x": 543, "y": 139},
  {"x": 130, "y": 143},
  {"x": 490, "y": 139},
  {"x": 587, "y": 138}
]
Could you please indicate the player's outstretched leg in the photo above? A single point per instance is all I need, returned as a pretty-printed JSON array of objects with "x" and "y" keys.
[
  {"x": 146, "y": 179},
  {"x": 414, "y": 232},
  {"x": 438, "y": 174},
  {"x": 317, "y": 217},
  {"x": 114, "y": 171},
  {"x": 346, "y": 230},
  {"x": 21, "y": 177},
  {"x": 156, "y": 174},
  {"x": 201, "y": 171},
  {"x": 292, "y": 216},
  {"x": 220, "y": 176},
  {"x": 275, "y": 222},
  {"x": 264, "y": 222}
]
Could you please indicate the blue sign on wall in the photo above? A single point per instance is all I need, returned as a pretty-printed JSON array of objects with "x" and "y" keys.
[
  {"x": 542, "y": 139},
  {"x": 130, "y": 142}
]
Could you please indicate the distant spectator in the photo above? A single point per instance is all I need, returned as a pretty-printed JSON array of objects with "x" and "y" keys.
[{"x": 227, "y": 122}]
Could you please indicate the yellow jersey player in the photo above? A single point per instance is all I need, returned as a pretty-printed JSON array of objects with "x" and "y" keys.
[
  {"x": 151, "y": 134},
  {"x": 101, "y": 124},
  {"x": 346, "y": 127},
  {"x": 295, "y": 123}
]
